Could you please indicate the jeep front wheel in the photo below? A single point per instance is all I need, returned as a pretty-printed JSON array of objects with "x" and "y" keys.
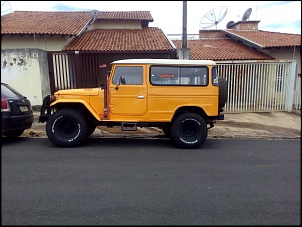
[
  {"x": 66, "y": 128},
  {"x": 189, "y": 130},
  {"x": 90, "y": 129}
]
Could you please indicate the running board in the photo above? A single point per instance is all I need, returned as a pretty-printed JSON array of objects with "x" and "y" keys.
[{"x": 128, "y": 126}]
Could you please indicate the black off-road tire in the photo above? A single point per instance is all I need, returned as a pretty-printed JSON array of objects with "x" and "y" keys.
[
  {"x": 167, "y": 130},
  {"x": 90, "y": 129},
  {"x": 206, "y": 135},
  {"x": 66, "y": 128},
  {"x": 189, "y": 130},
  {"x": 223, "y": 92}
]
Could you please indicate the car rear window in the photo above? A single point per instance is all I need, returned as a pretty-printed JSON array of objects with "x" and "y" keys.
[{"x": 9, "y": 92}]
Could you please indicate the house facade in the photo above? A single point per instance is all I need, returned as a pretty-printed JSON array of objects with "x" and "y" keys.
[{"x": 42, "y": 52}]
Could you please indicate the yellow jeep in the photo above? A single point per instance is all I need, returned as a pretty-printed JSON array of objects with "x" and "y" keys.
[{"x": 182, "y": 97}]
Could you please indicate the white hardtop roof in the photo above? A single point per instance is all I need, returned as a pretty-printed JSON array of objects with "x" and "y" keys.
[{"x": 165, "y": 62}]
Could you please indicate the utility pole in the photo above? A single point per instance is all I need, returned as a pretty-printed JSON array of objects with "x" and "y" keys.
[
  {"x": 184, "y": 52},
  {"x": 184, "y": 24}
]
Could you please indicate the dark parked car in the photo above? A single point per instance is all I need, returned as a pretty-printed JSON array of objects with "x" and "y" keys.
[{"x": 16, "y": 111}]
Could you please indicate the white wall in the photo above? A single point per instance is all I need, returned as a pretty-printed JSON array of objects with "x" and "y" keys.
[
  {"x": 26, "y": 70},
  {"x": 24, "y": 63},
  {"x": 98, "y": 24},
  {"x": 54, "y": 43},
  {"x": 286, "y": 53}
]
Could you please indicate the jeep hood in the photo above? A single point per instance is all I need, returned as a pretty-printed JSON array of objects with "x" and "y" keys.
[{"x": 79, "y": 92}]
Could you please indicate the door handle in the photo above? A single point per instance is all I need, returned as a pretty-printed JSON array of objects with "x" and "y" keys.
[{"x": 140, "y": 96}]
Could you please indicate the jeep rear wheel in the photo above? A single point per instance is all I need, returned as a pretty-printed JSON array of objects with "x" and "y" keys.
[
  {"x": 189, "y": 130},
  {"x": 66, "y": 128},
  {"x": 167, "y": 130}
]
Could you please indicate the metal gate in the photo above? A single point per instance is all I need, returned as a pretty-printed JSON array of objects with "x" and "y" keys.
[{"x": 265, "y": 86}]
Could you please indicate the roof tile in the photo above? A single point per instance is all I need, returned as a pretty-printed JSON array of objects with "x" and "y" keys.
[
  {"x": 46, "y": 23},
  {"x": 60, "y": 23},
  {"x": 221, "y": 49},
  {"x": 267, "y": 39},
  {"x": 145, "y": 39},
  {"x": 126, "y": 15}
]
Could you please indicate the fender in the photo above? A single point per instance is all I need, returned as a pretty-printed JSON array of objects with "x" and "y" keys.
[{"x": 84, "y": 103}]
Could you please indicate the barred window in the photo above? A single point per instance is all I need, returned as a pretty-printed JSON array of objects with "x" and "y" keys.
[
  {"x": 279, "y": 84},
  {"x": 215, "y": 76}
]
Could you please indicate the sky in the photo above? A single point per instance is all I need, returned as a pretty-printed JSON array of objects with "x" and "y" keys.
[{"x": 274, "y": 16}]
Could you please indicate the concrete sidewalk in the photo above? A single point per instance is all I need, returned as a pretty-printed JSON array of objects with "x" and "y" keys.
[{"x": 272, "y": 125}]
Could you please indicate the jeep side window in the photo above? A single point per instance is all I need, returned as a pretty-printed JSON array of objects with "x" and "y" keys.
[
  {"x": 184, "y": 75},
  {"x": 128, "y": 75},
  {"x": 164, "y": 75}
]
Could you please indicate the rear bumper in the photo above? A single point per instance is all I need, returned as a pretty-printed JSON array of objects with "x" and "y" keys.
[
  {"x": 12, "y": 123},
  {"x": 220, "y": 117}
]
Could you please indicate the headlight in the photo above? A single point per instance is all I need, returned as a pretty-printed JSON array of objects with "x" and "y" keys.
[{"x": 52, "y": 98}]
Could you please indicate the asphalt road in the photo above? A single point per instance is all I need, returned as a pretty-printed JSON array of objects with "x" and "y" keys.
[{"x": 118, "y": 181}]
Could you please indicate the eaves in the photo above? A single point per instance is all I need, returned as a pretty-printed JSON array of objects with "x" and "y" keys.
[{"x": 246, "y": 41}]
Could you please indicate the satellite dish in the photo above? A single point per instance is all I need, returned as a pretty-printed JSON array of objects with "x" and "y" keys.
[
  {"x": 247, "y": 14},
  {"x": 229, "y": 24},
  {"x": 5, "y": 8},
  {"x": 213, "y": 17},
  {"x": 94, "y": 14}
]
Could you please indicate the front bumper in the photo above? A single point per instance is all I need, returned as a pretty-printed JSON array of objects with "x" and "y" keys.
[{"x": 45, "y": 111}]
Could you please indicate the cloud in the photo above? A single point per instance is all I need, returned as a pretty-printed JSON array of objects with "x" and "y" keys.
[
  {"x": 267, "y": 5},
  {"x": 62, "y": 7}
]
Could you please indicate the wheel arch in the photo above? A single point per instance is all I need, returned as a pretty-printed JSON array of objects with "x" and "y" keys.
[
  {"x": 83, "y": 107},
  {"x": 192, "y": 109}
]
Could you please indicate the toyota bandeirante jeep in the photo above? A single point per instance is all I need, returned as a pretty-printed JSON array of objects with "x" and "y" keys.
[{"x": 184, "y": 98}]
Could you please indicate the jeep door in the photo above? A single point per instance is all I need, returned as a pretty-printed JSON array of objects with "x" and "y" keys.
[{"x": 127, "y": 91}]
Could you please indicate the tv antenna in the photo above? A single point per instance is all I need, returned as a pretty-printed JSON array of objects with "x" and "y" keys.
[
  {"x": 229, "y": 24},
  {"x": 94, "y": 14},
  {"x": 213, "y": 17},
  {"x": 247, "y": 14},
  {"x": 5, "y": 8}
]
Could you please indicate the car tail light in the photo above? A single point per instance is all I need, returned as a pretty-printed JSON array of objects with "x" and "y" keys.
[{"x": 4, "y": 105}]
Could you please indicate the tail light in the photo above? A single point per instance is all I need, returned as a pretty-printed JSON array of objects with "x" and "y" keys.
[{"x": 4, "y": 105}]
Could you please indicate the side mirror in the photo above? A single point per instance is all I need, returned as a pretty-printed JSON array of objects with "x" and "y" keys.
[{"x": 122, "y": 80}]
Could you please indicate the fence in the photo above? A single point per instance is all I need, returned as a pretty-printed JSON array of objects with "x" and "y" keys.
[
  {"x": 265, "y": 86},
  {"x": 297, "y": 93}
]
